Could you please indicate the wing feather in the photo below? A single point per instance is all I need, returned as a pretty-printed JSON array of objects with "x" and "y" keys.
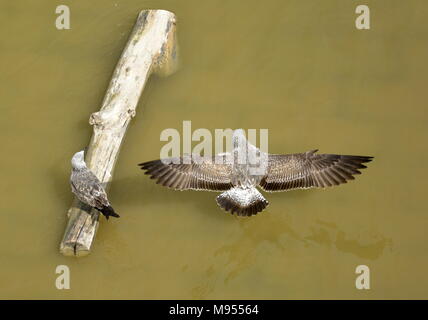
[
  {"x": 192, "y": 172},
  {"x": 88, "y": 189},
  {"x": 310, "y": 170}
]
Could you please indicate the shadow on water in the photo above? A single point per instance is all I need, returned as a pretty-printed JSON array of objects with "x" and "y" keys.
[
  {"x": 330, "y": 235},
  {"x": 243, "y": 252},
  {"x": 278, "y": 232},
  {"x": 261, "y": 232}
]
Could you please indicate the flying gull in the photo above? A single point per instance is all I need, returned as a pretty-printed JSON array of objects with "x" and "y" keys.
[
  {"x": 88, "y": 189},
  {"x": 237, "y": 174}
]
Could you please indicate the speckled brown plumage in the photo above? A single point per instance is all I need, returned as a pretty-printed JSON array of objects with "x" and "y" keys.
[
  {"x": 87, "y": 188},
  {"x": 191, "y": 173},
  {"x": 238, "y": 183},
  {"x": 310, "y": 170}
]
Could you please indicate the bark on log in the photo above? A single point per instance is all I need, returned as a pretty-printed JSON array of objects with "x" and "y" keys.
[{"x": 151, "y": 47}]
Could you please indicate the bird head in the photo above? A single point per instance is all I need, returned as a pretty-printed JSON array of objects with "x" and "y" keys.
[{"x": 78, "y": 160}]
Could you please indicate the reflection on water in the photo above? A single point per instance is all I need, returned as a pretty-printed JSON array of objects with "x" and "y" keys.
[{"x": 298, "y": 68}]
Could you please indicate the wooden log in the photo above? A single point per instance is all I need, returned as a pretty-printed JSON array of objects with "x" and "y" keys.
[{"x": 151, "y": 47}]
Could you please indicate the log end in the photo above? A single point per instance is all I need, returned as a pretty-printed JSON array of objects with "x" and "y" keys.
[
  {"x": 66, "y": 250},
  {"x": 80, "y": 231},
  {"x": 73, "y": 250},
  {"x": 166, "y": 62}
]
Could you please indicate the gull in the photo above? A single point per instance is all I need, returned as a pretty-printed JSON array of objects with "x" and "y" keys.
[
  {"x": 88, "y": 189},
  {"x": 238, "y": 174}
]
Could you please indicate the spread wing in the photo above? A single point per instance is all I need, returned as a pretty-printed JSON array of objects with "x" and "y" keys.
[
  {"x": 310, "y": 170},
  {"x": 192, "y": 172},
  {"x": 89, "y": 190}
]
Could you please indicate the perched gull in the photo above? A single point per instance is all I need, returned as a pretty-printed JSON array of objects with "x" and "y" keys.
[
  {"x": 238, "y": 173},
  {"x": 88, "y": 189}
]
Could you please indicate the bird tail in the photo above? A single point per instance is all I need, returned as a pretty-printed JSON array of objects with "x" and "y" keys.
[
  {"x": 108, "y": 211},
  {"x": 243, "y": 201}
]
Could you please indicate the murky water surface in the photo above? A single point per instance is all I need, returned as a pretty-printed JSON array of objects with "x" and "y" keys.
[{"x": 298, "y": 68}]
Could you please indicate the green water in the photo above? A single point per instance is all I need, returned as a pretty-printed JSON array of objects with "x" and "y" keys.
[{"x": 299, "y": 68}]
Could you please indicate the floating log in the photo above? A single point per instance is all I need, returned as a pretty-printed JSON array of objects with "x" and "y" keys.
[{"x": 151, "y": 48}]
